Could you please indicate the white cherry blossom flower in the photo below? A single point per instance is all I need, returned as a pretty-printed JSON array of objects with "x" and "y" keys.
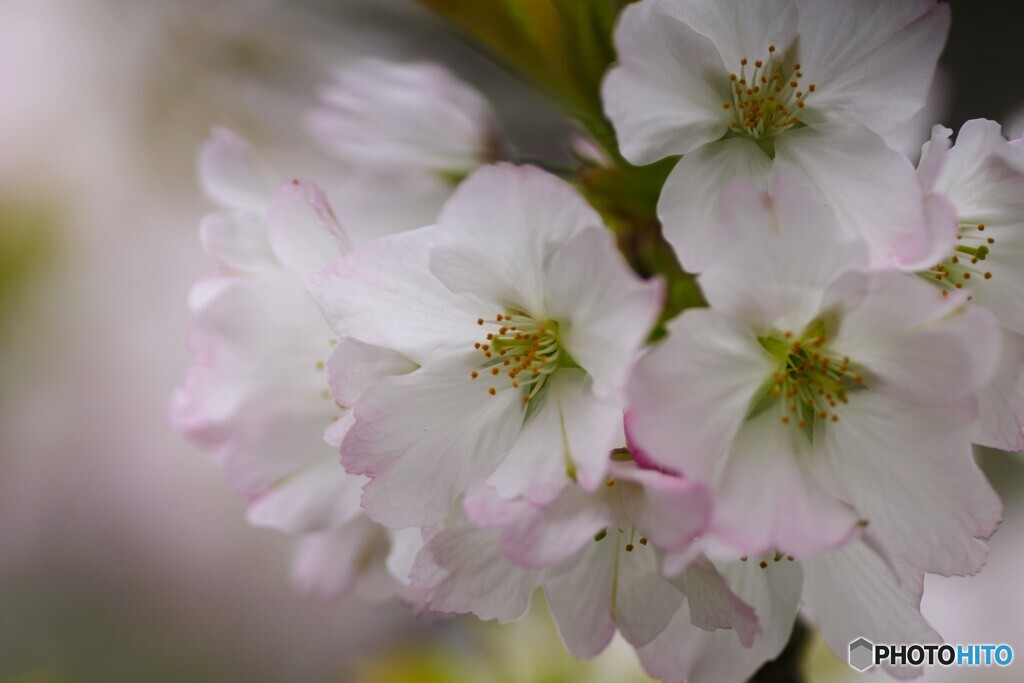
[
  {"x": 257, "y": 395},
  {"x": 595, "y": 554},
  {"x": 819, "y": 399},
  {"x": 520, "y": 352},
  {"x": 982, "y": 176},
  {"x": 780, "y": 87}
]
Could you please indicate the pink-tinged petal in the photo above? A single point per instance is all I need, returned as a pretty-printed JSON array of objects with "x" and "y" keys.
[
  {"x": 934, "y": 154},
  {"x": 256, "y": 395},
  {"x": 690, "y": 206},
  {"x": 374, "y": 204},
  {"x": 915, "y": 481},
  {"x": 466, "y": 573},
  {"x": 714, "y": 606},
  {"x": 671, "y": 511},
  {"x": 603, "y": 321},
  {"x": 422, "y": 438},
  {"x": 690, "y": 395},
  {"x": 354, "y": 366},
  {"x": 665, "y": 95},
  {"x": 230, "y": 174},
  {"x": 545, "y": 536},
  {"x": 327, "y": 565},
  {"x": 645, "y": 601},
  {"x": 872, "y": 190},
  {"x": 639, "y": 455},
  {"x": 684, "y": 652},
  {"x": 871, "y": 61},
  {"x": 384, "y": 294},
  {"x": 915, "y": 343},
  {"x": 335, "y": 432},
  {"x": 500, "y": 228},
  {"x": 580, "y": 599},
  {"x": 770, "y": 495},
  {"x": 852, "y": 594},
  {"x": 317, "y": 497},
  {"x": 784, "y": 251},
  {"x": 1000, "y": 422},
  {"x": 302, "y": 229},
  {"x": 237, "y": 240}
]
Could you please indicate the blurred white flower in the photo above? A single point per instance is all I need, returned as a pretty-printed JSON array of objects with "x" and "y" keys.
[
  {"x": 392, "y": 116},
  {"x": 257, "y": 395}
]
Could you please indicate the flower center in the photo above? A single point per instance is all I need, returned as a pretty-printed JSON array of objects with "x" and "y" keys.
[
  {"x": 811, "y": 380},
  {"x": 519, "y": 352},
  {"x": 973, "y": 246},
  {"x": 766, "y": 100}
]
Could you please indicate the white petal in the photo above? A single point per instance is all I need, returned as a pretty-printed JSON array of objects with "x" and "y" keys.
[
  {"x": 740, "y": 30},
  {"x": 685, "y": 652},
  {"x": 873, "y": 191},
  {"x": 230, "y": 173},
  {"x": 690, "y": 395},
  {"x": 915, "y": 343},
  {"x": 547, "y": 536},
  {"x": 714, "y": 606},
  {"x": 580, "y": 599},
  {"x": 423, "y": 437},
  {"x": 327, "y": 565},
  {"x": 670, "y": 510},
  {"x": 318, "y": 497},
  {"x": 374, "y": 204},
  {"x": 910, "y": 472},
  {"x": 466, "y": 571},
  {"x": 384, "y": 294},
  {"x": 770, "y": 495},
  {"x": 301, "y": 227},
  {"x": 405, "y": 545},
  {"x": 871, "y": 61},
  {"x": 1000, "y": 422},
  {"x": 354, "y": 366},
  {"x": 665, "y": 96},
  {"x": 392, "y": 115},
  {"x": 691, "y": 200},
  {"x": 569, "y": 428},
  {"x": 784, "y": 251},
  {"x": 237, "y": 240},
  {"x": 603, "y": 322},
  {"x": 591, "y": 425},
  {"x": 854, "y": 594},
  {"x": 645, "y": 601},
  {"x": 500, "y": 228}
]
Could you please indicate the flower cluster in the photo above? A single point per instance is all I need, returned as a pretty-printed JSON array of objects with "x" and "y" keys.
[{"x": 517, "y": 404}]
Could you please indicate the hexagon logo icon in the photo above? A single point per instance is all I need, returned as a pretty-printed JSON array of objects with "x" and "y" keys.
[{"x": 862, "y": 654}]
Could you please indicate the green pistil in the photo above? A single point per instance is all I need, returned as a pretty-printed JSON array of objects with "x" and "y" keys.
[
  {"x": 811, "y": 381},
  {"x": 961, "y": 268},
  {"x": 520, "y": 353}
]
